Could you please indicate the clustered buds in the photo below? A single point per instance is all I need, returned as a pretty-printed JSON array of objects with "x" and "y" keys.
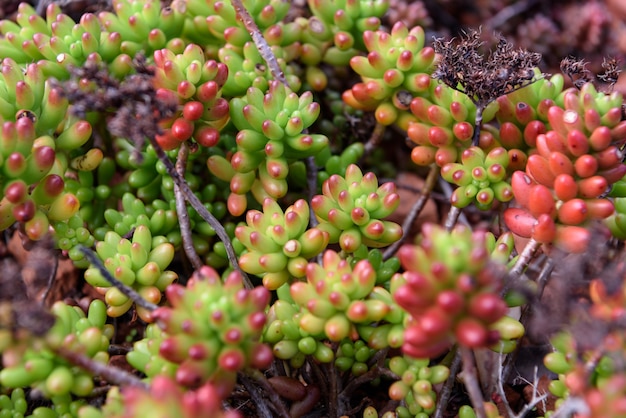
[
  {"x": 482, "y": 179},
  {"x": 334, "y": 297},
  {"x": 164, "y": 396},
  {"x": 397, "y": 66},
  {"x": 140, "y": 263},
  {"x": 55, "y": 377},
  {"x": 444, "y": 127},
  {"x": 193, "y": 82},
  {"x": 353, "y": 356},
  {"x": 32, "y": 181},
  {"x": 352, "y": 209},
  {"x": 250, "y": 70},
  {"x": 576, "y": 162},
  {"x": 289, "y": 340},
  {"x": 269, "y": 137},
  {"x": 213, "y": 329},
  {"x": 279, "y": 243},
  {"x": 415, "y": 387},
  {"x": 450, "y": 288}
]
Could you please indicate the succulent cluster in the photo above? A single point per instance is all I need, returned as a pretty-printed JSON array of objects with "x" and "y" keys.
[
  {"x": 451, "y": 290},
  {"x": 193, "y": 83},
  {"x": 415, "y": 387},
  {"x": 565, "y": 182},
  {"x": 396, "y": 68},
  {"x": 481, "y": 178},
  {"x": 265, "y": 106},
  {"x": 352, "y": 208},
  {"x": 139, "y": 262},
  {"x": 443, "y": 125},
  {"x": 42, "y": 369},
  {"x": 279, "y": 244},
  {"x": 212, "y": 329},
  {"x": 270, "y": 137}
]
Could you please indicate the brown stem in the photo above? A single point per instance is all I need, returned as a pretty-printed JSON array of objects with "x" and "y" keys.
[
  {"x": 446, "y": 391},
  {"x": 260, "y": 42},
  {"x": 470, "y": 380},
  {"x": 478, "y": 124},
  {"x": 375, "y": 138},
  {"x": 253, "y": 380},
  {"x": 453, "y": 217},
  {"x": 418, "y": 206},
  {"x": 202, "y": 211},
  {"x": 524, "y": 259},
  {"x": 181, "y": 210},
  {"x": 109, "y": 373},
  {"x": 311, "y": 172},
  {"x": 126, "y": 290}
]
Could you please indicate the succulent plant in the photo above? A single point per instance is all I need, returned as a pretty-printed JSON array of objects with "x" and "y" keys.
[
  {"x": 270, "y": 137},
  {"x": 40, "y": 368},
  {"x": 279, "y": 243},
  {"x": 140, "y": 263},
  {"x": 397, "y": 66},
  {"x": 450, "y": 290},
  {"x": 415, "y": 387},
  {"x": 212, "y": 329},
  {"x": 352, "y": 209}
]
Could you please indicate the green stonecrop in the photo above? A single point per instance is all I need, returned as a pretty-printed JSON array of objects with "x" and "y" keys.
[
  {"x": 273, "y": 139},
  {"x": 352, "y": 209},
  {"x": 212, "y": 329},
  {"x": 40, "y": 367},
  {"x": 139, "y": 262},
  {"x": 279, "y": 244}
]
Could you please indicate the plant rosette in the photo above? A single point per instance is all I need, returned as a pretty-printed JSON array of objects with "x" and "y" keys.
[
  {"x": 139, "y": 262},
  {"x": 335, "y": 297},
  {"x": 270, "y": 137},
  {"x": 279, "y": 244},
  {"x": 442, "y": 126},
  {"x": 450, "y": 288},
  {"x": 194, "y": 83},
  {"x": 40, "y": 368},
  {"x": 352, "y": 209},
  {"x": 416, "y": 387},
  {"x": 397, "y": 64},
  {"x": 213, "y": 329}
]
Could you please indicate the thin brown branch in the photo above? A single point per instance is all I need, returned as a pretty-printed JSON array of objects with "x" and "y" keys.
[
  {"x": 418, "y": 206},
  {"x": 446, "y": 390},
  {"x": 181, "y": 210},
  {"x": 202, "y": 211},
  {"x": 375, "y": 139},
  {"x": 109, "y": 373},
  {"x": 128, "y": 291},
  {"x": 470, "y": 379},
  {"x": 260, "y": 42}
]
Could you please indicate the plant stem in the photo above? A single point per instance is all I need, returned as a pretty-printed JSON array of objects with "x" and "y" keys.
[
  {"x": 478, "y": 124},
  {"x": 311, "y": 178},
  {"x": 251, "y": 379},
  {"x": 93, "y": 258},
  {"x": 453, "y": 217},
  {"x": 202, "y": 211},
  {"x": 418, "y": 206},
  {"x": 260, "y": 42},
  {"x": 181, "y": 210},
  {"x": 374, "y": 139},
  {"x": 109, "y": 373},
  {"x": 471, "y": 381},
  {"x": 446, "y": 391},
  {"x": 524, "y": 258}
]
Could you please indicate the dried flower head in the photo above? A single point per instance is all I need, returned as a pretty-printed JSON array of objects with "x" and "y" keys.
[
  {"x": 610, "y": 65},
  {"x": 576, "y": 70},
  {"x": 463, "y": 67}
]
